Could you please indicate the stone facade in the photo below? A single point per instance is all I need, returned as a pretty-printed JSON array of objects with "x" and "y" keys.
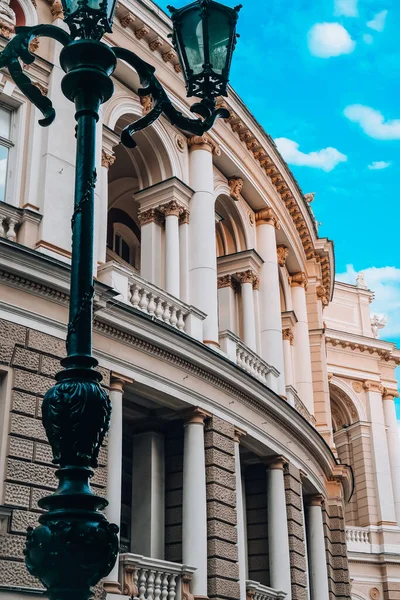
[
  {"x": 297, "y": 533},
  {"x": 336, "y": 551}
]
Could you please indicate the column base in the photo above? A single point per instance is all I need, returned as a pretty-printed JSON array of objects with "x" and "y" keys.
[{"x": 112, "y": 587}]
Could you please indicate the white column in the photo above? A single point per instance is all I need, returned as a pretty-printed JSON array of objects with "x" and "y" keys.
[
  {"x": 227, "y": 317},
  {"x": 242, "y": 540},
  {"x": 114, "y": 473},
  {"x": 172, "y": 211},
  {"x": 278, "y": 536},
  {"x": 148, "y": 495},
  {"x": 303, "y": 372},
  {"x": 247, "y": 280},
  {"x": 194, "y": 505},
  {"x": 270, "y": 303},
  {"x": 184, "y": 256},
  {"x": 380, "y": 453},
  {"x": 318, "y": 573},
  {"x": 288, "y": 341},
  {"x": 393, "y": 440},
  {"x": 202, "y": 243},
  {"x": 150, "y": 251}
]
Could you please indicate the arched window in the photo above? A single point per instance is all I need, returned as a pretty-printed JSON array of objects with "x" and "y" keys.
[{"x": 123, "y": 238}]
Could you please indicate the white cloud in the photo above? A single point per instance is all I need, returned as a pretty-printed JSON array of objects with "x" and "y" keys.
[
  {"x": 373, "y": 123},
  {"x": 385, "y": 283},
  {"x": 368, "y": 38},
  {"x": 329, "y": 39},
  {"x": 346, "y": 8},
  {"x": 379, "y": 21},
  {"x": 378, "y": 165},
  {"x": 326, "y": 159}
]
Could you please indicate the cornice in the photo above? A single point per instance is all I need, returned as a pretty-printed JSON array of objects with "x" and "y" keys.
[{"x": 386, "y": 351}]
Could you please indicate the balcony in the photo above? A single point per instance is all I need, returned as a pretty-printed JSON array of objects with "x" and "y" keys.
[
  {"x": 150, "y": 578},
  {"x": 19, "y": 224},
  {"x": 257, "y": 591},
  {"x": 358, "y": 539}
]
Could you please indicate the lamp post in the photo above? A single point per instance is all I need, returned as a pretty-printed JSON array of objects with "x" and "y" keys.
[{"x": 74, "y": 546}]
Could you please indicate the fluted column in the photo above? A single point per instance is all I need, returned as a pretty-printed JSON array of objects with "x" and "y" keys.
[
  {"x": 202, "y": 243},
  {"x": 278, "y": 536},
  {"x": 270, "y": 304},
  {"x": 114, "y": 471},
  {"x": 303, "y": 372},
  {"x": 172, "y": 212},
  {"x": 318, "y": 572},
  {"x": 194, "y": 505},
  {"x": 392, "y": 432},
  {"x": 248, "y": 281},
  {"x": 242, "y": 541}
]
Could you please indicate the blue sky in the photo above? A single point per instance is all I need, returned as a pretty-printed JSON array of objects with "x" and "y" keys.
[{"x": 322, "y": 77}]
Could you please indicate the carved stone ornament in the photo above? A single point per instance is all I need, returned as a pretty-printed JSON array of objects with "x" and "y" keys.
[
  {"x": 378, "y": 322},
  {"x": 267, "y": 216},
  {"x": 151, "y": 215},
  {"x": 7, "y": 19},
  {"x": 34, "y": 45},
  {"x": 127, "y": 20},
  {"x": 204, "y": 142},
  {"x": 224, "y": 281},
  {"x": 178, "y": 68},
  {"x": 156, "y": 44},
  {"x": 180, "y": 142},
  {"x": 248, "y": 277},
  {"x": 282, "y": 253},
  {"x": 287, "y": 334},
  {"x": 251, "y": 218},
  {"x": 235, "y": 187},
  {"x": 321, "y": 295},
  {"x": 374, "y": 593},
  {"x": 299, "y": 279},
  {"x": 373, "y": 386},
  {"x": 142, "y": 32},
  {"x": 107, "y": 159},
  {"x": 357, "y": 387},
  {"x": 169, "y": 55},
  {"x": 309, "y": 197},
  {"x": 147, "y": 104},
  {"x": 56, "y": 9},
  {"x": 360, "y": 281},
  {"x": 172, "y": 209}
]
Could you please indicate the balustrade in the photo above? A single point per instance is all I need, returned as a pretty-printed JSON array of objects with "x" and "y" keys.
[
  {"x": 358, "y": 535},
  {"x": 13, "y": 218},
  {"x": 153, "y": 579},
  {"x": 257, "y": 591}
]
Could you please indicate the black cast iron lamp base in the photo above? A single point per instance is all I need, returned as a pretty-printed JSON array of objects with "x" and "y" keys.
[{"x": 75, "y": 546}]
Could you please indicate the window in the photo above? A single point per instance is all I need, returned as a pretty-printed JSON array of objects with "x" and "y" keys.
[
  {"x": 122, "y": 248},
  {"x": 5, "y": 145}
]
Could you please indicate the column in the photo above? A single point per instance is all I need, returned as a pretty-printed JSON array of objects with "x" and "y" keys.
[
  {"x": 240, "y": 508},
  {"x": 184, "y": 255},
  {"x": 392, "y": 432},
  {"x": 150, "y": 245},
  {"x": 114, "y": 472},
  {"x": 148, "y": 494},
  {"x": 172, "y": 212},
  {"x": 101, "y": 212},
  {"x": 278, "y": 536},
  {"x": 318, "y": 572},
  {"x": 380, "y": 453},
  {"x": 288, "y": 342},
  {"x": 303, "y": 372},
  {"x": 270, "y": 303},
  {"x": 202, "y": 243},
  {"x": 247, "y": 281},
  {"x": 194, "y": 505},
  {"x": 227, "y": 317}
]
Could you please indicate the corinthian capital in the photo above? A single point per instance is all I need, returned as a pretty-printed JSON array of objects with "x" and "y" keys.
[
  {"x": 287, "y": 334},
  {"x": 151, "y": 215},
  {"x": 204, "y": 142},
  {"x": 267, "y": 216},
  {"x": 107, "y": 159},
  {"x": 172, "y": 208},
  {"x": 248, "y": 277},
  {"x": 299, "y": 280},
  {"x": 373, "y": 386}
]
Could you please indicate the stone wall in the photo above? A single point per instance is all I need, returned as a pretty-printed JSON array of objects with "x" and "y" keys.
[
  {"x": 336, "y": 551},
  {"x": 257, "y": 523},
  {"x": 223, "y": 569},
  {"x": 296, "y": 528},
  {"x": 29, "y": 473}
]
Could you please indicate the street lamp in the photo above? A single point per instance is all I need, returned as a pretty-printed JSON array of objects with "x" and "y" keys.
[{"x": 74, "y": 545}]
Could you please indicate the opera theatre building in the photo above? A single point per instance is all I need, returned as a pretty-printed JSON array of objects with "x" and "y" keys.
[{"x": 253, "y": 451}]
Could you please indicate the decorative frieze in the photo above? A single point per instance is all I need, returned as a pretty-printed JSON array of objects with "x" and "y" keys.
[
  {"x": 142, "y": 32},
  {"x": 156, "y": 44},
  {"x": 235, "y": 187},
  {"x": 267, "y": 216},
  {"x": 204, "y": 142},
  {"x": 282, "y": 253}
]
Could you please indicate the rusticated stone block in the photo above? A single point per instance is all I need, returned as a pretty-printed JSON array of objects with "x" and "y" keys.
[
  {"x": 46, "y": 343},
  {"x": 223, "y": 588},
  {"x": 16, "y": 495},
  {"x": 221, "y": 494},
  {"x": 102, "y": 460},
  {"x": 222, "y": 531},
  {"x": 293, "y": 499},
  {"x": 299, "y": 592},
  {"x": 298, "y": 577},
  {"x": 220, "y": 459},
  {"x": 22, "y": 519},
  {"x": 296, "y": 530},
  {"x": 294, "y": 514},
  {"x": 100, "y": 477},
  {"x": 12, "y": 546},
  {"x": 220, "y": 476},
  {"x": 24, "y": 403},
  {"x": 20, "y": 448},
  {"x": 212, "y": 439},
  {"x": 215, "y": 510},
  {"x": 50, "y": 366},
  {"x": 221, "y": 426},
  {"x": 31, "y": 382},
  {"x": 220, "y": 549},
  {"x": 15, "y": 574},
  {"x": 12, "y": 332},
  {"x": 36, "y": 495},
  {"x": 24, "y": 472},
  {"x": 6, "y": 351},
  {"x": 223, "y": 568},
  {"x": 43, "y": 453},
  {"x": 26, "y": 359},
  {"x": 298, "y": 561},
  {"x": 28, "y": 427}
]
